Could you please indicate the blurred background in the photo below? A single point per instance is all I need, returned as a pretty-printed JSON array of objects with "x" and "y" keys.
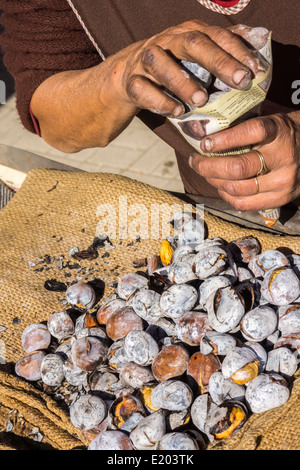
[{"x": 137, "y": 153}]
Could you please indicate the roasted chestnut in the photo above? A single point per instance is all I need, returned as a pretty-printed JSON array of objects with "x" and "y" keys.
[
  {"x": 149, "y": 431},
  {"x": 52, "y": 370},
  {"x": 245, "y": 248},
  {"x": 259, "y": 323},
  {"x": 73, "y": 374},
  {"x": 192, "y": 326},
  {"x": 35, "y": 337},
  {"x": 172, "y": 361},
  {"x": 282, "y": 361},
  {"x": 217, "y": 343},
  {"x": 225, "y": 309},
  {"x": 166, "y": 252},
  {"x": 210, "y": 261},
  {"x": 123, "y": 408},
  {"x": 241, "y": 365},
  {"x": 146, "y": 304},
  {"x": 211, "y": 285},
  {"x": 177, "y": 441},
  {"x": 61, "y": 325},
  {"x": 88, "y": 352},
  {"x": 178, "y": 299},
  {"x": 181, "y": 270},
  {"x": 267, "y": 391},
  {"x": 135, "y": 375},
  {"x": 200, "y": 369},
  {"x": 29, "y": 366},
  {"x": 87, "y": 412},
  {"x": 116, "y": 356},
  {"x": 221, "y": 389},
  {"x": 144, "y": 395},
  {"x": 106, "y": 310},
  {"x": 129, "y": 283},
  {"x": 81, "y": 295},
  {"x": 140, "y": 347},
  {"x": 227, "y": 419},
  {"x": 122, "y": 322},
  {"x": 111, "y": 440},
  {"x": 281, "y": 286},
  {"x": 172, "y": 395},
  {"x": 289, "y": 319},
  {"x": 261, "y": 264}
]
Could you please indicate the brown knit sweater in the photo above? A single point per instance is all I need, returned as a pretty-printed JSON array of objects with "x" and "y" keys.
[
  {"x": 41, "y": 38},
  {"x": 44, "y": 37}
]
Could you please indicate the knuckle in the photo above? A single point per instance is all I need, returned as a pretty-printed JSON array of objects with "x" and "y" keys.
[
  {"x": 238, "y": 168},
  {"x": 222, "y": 36},
  {"x": 267, "y": 127},
  {"x": 192, "y": 39},
  {"x": 223, "y": 62},
  {"x": 240, "y": 205},
  {"x": 192, "y": 25},
  {"x": 134, "y": 87},
  {"x": 289, "y": 179},
  {"x": 149, "y": 56},
  {"x": 233, "y": 188}
]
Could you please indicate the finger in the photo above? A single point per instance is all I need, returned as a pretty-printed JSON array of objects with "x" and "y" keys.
[
  {"x": 233, "y": 44},
  {"x": 248, "y": 187},
  {"x": 257, "y": 202},
  {"x": 237, "y": 167},
  {"x": 251, "y": 132},
  {"x": 146, "y": 95},
  {"x": 162, "y": 67},
  {"x": 196, "y": 46}
]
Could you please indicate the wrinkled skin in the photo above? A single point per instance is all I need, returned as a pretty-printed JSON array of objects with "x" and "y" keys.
[
  {"x": 143, "y": 75},
  {"x": 136, "y": 78},
  {"x": 277, "y": 137}
]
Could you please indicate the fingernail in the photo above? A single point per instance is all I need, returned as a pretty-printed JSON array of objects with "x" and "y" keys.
[
  {"x": 178, "y": 111},
  {"x": 260, "y": 73},
  {"x": 191, "y": 161},
  {"x": 208, "y": 144},
  {"x": 242, "y": 77},
  {"x": 199, "y": 98}
]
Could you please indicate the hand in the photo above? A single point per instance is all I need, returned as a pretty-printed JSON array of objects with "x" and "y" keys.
[
  {"x": 277, "y": 137},
  {"x": 140, "y": 76},
  {"x": 145, "y": 73}
]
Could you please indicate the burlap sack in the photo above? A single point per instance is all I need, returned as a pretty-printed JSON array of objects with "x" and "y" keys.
[{"x": 53, "y": 212}]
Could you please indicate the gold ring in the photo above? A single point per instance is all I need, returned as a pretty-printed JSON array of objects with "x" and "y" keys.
[
  {"x": 257, "y": 185},
  {"x": 263, "y": 167}
]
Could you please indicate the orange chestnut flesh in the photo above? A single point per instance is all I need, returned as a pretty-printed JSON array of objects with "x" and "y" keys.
[{"x": 236, "y": 417}]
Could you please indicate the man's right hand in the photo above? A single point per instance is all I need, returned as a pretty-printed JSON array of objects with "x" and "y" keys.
[
  {"x": 148, "y": 70},
  {"x": 144, "y": 75}
]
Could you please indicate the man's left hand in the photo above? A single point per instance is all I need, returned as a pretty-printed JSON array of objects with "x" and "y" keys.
[{"x": 277, "y": 137}]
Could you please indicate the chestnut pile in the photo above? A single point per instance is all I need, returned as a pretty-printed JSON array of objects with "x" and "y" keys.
[{"x": 179, "y": 355}]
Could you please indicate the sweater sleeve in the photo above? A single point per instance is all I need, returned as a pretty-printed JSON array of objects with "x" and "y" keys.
[{"x": 40, "y": 39}]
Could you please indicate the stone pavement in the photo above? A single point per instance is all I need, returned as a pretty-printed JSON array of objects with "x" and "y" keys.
[{"x": 137, "y": 153}]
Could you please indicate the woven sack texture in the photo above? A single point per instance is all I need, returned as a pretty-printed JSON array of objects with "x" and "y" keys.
[{"x": 55, "y": 211}]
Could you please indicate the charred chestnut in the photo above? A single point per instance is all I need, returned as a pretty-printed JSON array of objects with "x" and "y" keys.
[
  {"x": 172, "y": 395},
  {"x": 81, "y": 295},
  {"x": 192, "y": 326}
]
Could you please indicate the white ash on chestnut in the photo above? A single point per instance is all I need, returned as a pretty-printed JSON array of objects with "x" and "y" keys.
[{"x": 180, "y": 353}]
